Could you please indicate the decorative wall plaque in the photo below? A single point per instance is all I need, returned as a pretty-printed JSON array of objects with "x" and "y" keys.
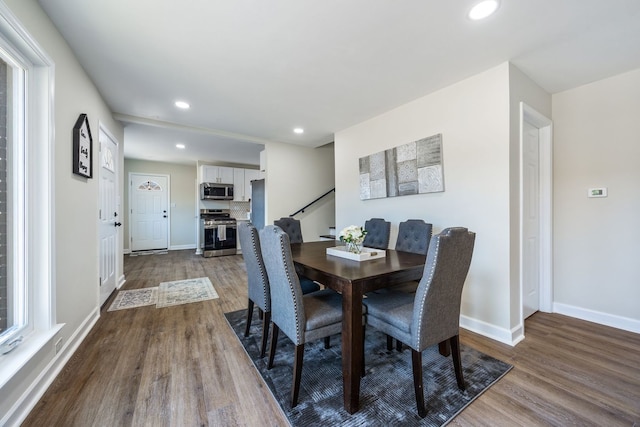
[
  {"x": 82, "y": 147},
  {"x": 412, "y": 168}
]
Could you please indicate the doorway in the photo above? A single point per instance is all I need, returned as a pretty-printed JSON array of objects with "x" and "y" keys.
[
  {"x": 148, "y": 213},
  {"x": 109, "y": 220},
  {"x": 535, "y": 212}
]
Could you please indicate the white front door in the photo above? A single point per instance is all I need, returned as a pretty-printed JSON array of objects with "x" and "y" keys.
[
  {"x": 531, "y": 220},
  {"x": 109, "y": 219},
  {"x": 149, "y": 216}
]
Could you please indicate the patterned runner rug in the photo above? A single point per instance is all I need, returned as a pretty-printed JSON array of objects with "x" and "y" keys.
[
  {"x": 166, "y": 294},
  {"x": 134, "y": 298},
  {"x": 386, "y": 392},
  {"x": 185, "y": 291}
]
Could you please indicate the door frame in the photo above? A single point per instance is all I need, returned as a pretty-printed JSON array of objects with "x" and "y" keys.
[
  {"x": 130, "y": 208},
  {"x": 102, "y": 128},
  {"x": 545, "y": 128}
]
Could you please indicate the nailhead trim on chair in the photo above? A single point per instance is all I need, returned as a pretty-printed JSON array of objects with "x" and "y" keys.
[
  {"x": 267, "y": 297},
  {"x": 299, "y": 337},
  {"x": 424, "y": 295}
]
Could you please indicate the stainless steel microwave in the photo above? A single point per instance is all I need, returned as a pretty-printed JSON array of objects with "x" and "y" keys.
[{"x": 215, "y": 191}]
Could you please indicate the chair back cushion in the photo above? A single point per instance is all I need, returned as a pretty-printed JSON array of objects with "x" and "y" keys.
[
  {"x": 378, "y": 231},
  {"x": 292, "y": 227},
  {"x": 414, "y": 236},
  {"x": 257, "y": 279},
  {"x": 287, "y": 310},
  {"x": 436, "y": 310}
]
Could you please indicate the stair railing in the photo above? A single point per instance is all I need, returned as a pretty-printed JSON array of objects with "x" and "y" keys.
[{"x": 301, "y": 210}]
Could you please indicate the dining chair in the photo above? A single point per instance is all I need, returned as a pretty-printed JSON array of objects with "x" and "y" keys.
[
  {"x": 413, "y": 236},
  {"x": 258, "y": 281},
  {"x": 432, "y": 315},
  {"x": 302, "y": 318},
  {"x": 292, "y": 227},
  {"x": 378, "y": 232}
]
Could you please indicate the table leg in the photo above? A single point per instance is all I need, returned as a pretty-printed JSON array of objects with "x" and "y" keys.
[{"x": 351, "y": 347}]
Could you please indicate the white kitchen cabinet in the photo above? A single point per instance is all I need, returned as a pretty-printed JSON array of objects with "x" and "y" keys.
[
  {"x": 242, "y": 183},
  {"x": 217, "y": 174},
  {"x": 238, "y": 185}
]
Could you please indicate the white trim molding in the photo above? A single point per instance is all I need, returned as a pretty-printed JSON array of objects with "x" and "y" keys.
[{"x": 606, "y": 319}]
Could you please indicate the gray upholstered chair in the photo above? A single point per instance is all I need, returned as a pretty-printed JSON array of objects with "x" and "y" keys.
[
  {"x": 414, "y": 236},
  {"x": 378, "y": 232},
  {"x": 432, "y": 315},
  {"x": 258, "y": 282},
  {"x": 303, "y": 318},
  {"x": 292, "y": 227}
]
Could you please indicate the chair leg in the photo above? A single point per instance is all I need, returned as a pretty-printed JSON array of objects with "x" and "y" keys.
[
  {"x": 249, "y": 316},
  {"x": 389, "y": 343},
  {"x": 266, "y": 319},
  {"x": 457, "y": 362},
  {"x": 297, "y": 374},
  {"x": 327, "y": 342},
  {"x": 398, "y": 345},
  {"x": 416, "y": 358},
  {"x": 260, "y": 313},
  {"x": 272, "y": 346}
]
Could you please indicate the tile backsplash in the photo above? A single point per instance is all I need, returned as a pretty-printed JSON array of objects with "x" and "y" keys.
[{"x": 239, "y": 210}]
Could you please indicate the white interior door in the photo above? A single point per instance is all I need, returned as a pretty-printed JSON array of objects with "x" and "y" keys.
[
  {"x": 149, "y": 216},
  {"x": 531, "y": 220},
  {"x": 109, "y": 220}
]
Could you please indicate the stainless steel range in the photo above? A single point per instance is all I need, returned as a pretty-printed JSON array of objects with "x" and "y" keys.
[{"x": 217, "y": 233}]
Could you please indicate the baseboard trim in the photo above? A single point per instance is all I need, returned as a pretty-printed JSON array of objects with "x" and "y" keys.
[
  {"x": 121, "y": 282},
  {"x": 505, "y": 336},
  {"x": 606, "y": 319},
  {"x": 36, "y": 390},
  {"x": 181, "y": 247}
]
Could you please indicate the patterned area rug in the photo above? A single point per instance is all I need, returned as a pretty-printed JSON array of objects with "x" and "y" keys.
[
  {"x": 386, "y": 392},
  {"x": 185, "y": 291},
  {"x": 134, "y": 298}
]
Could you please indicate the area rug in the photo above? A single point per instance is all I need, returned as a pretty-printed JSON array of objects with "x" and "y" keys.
[
  {"x": 185, "y": 291},
  {"x": 386, "y": 392},
  {"x": 134, "y": 298}
]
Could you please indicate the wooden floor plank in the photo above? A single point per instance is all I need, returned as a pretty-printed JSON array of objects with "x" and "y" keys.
[{"x": 183, "y": 365}]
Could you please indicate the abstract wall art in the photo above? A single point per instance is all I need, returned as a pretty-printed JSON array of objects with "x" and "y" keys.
[{"x": 413, "y": 168}]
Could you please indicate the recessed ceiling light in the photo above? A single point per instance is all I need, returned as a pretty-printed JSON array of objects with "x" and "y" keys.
[
  {"x": 483, "y": 9},
  {"x": 180, "y": 146},
  {"x": 182, "y": 104},
  {"x": 298, "y": 130}
]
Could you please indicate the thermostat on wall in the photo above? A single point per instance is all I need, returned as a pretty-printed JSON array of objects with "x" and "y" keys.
[{"x": 597, "y": 192}]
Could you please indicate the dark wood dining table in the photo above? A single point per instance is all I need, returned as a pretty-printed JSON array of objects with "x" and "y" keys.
[{"x": 353, "y": 279}]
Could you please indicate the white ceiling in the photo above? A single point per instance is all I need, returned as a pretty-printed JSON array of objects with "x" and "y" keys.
[{"x": 253, "y": 70}]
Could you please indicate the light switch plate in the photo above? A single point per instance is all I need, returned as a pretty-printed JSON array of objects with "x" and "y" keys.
[{"x": 597, "y": 192}]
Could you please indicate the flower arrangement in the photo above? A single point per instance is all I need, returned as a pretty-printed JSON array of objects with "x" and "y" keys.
[{"x": 353, "y": 236}]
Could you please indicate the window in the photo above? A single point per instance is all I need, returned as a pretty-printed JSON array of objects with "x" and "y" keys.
[
  {"x": 13, "y": 292},
  {"x": 27, "y": 298}
]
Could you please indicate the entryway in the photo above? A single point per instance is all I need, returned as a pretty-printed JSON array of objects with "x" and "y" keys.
[
  {"x": 535, "y": 212},
  {"x": 148, "y": 213},
  {"x": 109, "y": 221}
]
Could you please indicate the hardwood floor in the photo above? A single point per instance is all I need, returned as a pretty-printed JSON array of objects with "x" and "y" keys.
[{"x": 183, "y": 366}]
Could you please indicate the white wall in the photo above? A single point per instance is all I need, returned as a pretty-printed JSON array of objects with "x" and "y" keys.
[
  {"x": 597, "y": 241},
  {"x": 76, "y": 292},
  {"x": 183, "y": 216},
  {"x": 294, "y": 177},
  {"x": 473, "y": 117}
]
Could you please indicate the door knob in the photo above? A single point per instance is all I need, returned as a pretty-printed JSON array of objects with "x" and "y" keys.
[{"x": 117, "y": 224}]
